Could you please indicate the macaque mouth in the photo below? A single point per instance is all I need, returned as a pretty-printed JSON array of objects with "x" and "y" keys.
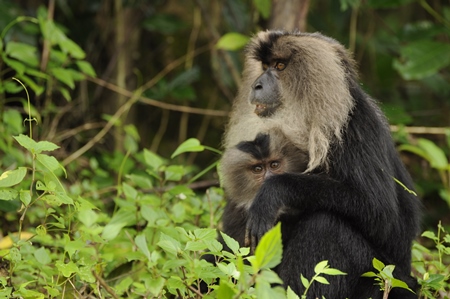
[{"x": 266, "y": 110}]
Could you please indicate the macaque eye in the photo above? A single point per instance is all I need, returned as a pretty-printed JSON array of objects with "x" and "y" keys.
[
  {"x": 257, "y": 169},
  {"x": 275, "y": 165},
  {"x": 280, "y": 66},
  {"x": 265, "y": 66}
]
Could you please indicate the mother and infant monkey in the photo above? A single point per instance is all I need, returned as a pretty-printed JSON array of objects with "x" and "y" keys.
[{"x": 306, "y": 146}]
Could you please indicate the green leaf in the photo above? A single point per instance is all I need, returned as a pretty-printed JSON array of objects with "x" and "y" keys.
[
  {"x": 190, "y": 145},
  {"x": 231, "y": 243},
  {"x": 291, "y": 294},
  {"x": 369, "y": 274},
  {"x": 264, "y": 7},
  {"x": 66, "y": 269},
  {"x": 331, "y": 271},
  {"x": 320, "y": 267},
  {"x": 436, "y": 156},
  {"x": 169, "y": 244},
  {"x": 269, "y": 250},
  {"x": 195, "y": 245},
  {"x": 22, "y": 52},
  {"x": 141, "y": 243},
  {"x": 42, "y": 256},
  {"x": 38, "y": 90},
  {"x": 232, "y": 41},
  {"x": 226, "y": 290},
  {"x": 51, "y": 165},
  {"x": 64, "y": 76},
  {"x": 25, "y": 197},
  {"x": 8, "y": 194},
  {"x": 155, "y": 285},
  {"x": 33, "y": 146},
  {"x": 129, "y": 191},
  {"x": 174, "y": 173},
  {"x": 205, "y": 234},
  {"x": 12, "y": 177},
  {"x": 430, "y": 235},
  {"x": 153, "y": 160},
  {"x": 377, "y": 264},
  {"x": 321, "y": 279},
  {"x": 121, "y": 219},
  {"x": 86, "y": 68},
  {"x": 19, "y": 67},
  {"x": 422, "y": 58}
]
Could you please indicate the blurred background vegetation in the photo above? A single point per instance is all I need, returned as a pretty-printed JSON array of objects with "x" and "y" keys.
[{"x": 114, "y": 82}]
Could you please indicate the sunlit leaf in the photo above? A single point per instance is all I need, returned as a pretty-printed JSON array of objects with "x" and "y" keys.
[
  {"x": 12, "y": 177},
  {"x": 269, "y": 250},
  {"x": 190, "y": 145},
  {"x": 232, "y": 41}
]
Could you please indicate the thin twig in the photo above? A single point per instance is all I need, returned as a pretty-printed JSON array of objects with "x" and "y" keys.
[
  {"x": 159, "y": 104},
  {"x": 421, "y": 130},
  {"x": 105, "y": 285}
]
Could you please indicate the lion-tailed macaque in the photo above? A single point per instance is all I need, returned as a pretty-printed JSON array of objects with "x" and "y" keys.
[{"x": 347, "y": 206}]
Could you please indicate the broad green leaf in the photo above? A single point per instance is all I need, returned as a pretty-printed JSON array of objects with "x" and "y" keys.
[
  {"x": 86, "y": 68},
  {"x": 64, "y": 76},
  {"x": 205, "y": 234},
  {"x": 169, "y": 244},
  {"x": 8, "y": 194},
  {"x": 226, "y": 290},
  {"x": 25, "y": 197},
  {"x": 430, "y": 235},
  {"x": 26, "y": 142},
  {"x": 155, "y": 285},
  {"x": 396, "y": 283},
  {"x": 232, "y": 41},
  {"x": 436, "y": 156},
  {"x": 12, "y": 177},
  {"x": 195, "y": 245},
  {"x": 231, "y": 243},
  {"x": 322, "y": 280},
  {"x": 269, "y": 250},
  {"x": 369, "y": 274},
  {"x": 121, "y": 219},
  {"x": 320, "y": 266},
  {"x": 42, "y": 256},
  {"x": 66, "y": 269},
  {"x": 18, "y": 66},
  {"x": 129, "y": 191},
  {"x": 141, "y": 243},
  {"x": 422, "y": 58},
  {"x": 291, "y": 294},
  {"x": 50, "y": 164},
  {"x": 153, "y": 160},
  {"x": 174, "y": 173},
  {"x": 377, "y": 264},
  {"x": 38, "y": 89},
  {"x": 45, "y": 146},
  {"x": 190, "y": 145},
  {"x": 264, "y": 7},
  {"x": 22, "y": 52},
  {"x": 87, "y": 217}
]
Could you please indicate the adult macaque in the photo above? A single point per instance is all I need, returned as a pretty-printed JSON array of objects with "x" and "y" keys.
[{"x": 346, "y": 207}]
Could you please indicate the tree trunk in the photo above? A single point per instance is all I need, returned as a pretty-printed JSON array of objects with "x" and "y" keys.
[{"x": 289, "y": 14}]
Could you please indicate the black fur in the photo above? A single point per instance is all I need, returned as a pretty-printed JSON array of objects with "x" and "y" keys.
[
  {"x": 347, "y": 214},
  {"x": 259, "y": 148}
]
